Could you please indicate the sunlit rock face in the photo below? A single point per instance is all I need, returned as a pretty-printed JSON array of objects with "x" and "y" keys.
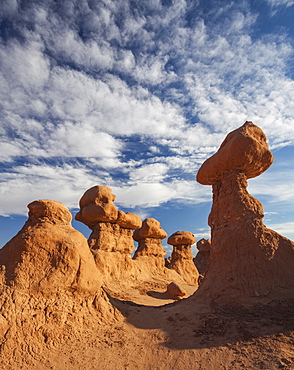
[
  {"x": 243, "y": 150},
  {"x": 48, "y": 256},
  {"x": 111, "y": 241},
  {"x": 182, "y": 257},
  {"x": 149, "y": 238},
  {"x": 246, "y": 258}
]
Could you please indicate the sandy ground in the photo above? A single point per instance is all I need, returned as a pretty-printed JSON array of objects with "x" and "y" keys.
[{"x": 187, "y": 334}]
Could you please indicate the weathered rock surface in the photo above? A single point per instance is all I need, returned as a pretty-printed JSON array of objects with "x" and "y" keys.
[
  {"x": 202, "y": 257},
  {"x": 150, "y": 229},
  {"x": 181, "y": 238},
  {"x": 111, "y": 243},
  {"x": 247, "y": 259},
  {"x": 97, "y": 205},
  {"x": 244, "y": 149},
  {"x": 111, "y": 240},
  {"x": 129, "y": 220},
  {"x": 48, "y": 256},
  {"x": 182, "y": 257},
  {"x": 149, "y": 238}
]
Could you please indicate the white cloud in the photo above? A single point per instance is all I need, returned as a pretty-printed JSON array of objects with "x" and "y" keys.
[{"x": 82, "y": 82}]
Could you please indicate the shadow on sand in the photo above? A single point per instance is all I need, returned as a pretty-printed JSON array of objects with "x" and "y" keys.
[{"x": 192, "y": 324}]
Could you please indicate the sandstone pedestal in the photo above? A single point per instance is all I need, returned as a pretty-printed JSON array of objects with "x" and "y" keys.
[
  {"x": 182, "y": 257},
  {"x": 247, "y": 259},
  {"x": 202, "y": 257}
]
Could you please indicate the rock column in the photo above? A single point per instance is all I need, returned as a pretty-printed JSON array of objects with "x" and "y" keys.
[
  {"x": 247, "y": 259},
  {"x": 182, "y": 257}
]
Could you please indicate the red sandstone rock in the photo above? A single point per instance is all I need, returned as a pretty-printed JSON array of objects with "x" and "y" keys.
[
  {"x": 150, "y": 229},
  {"x": 48, "y": 256},
  {"x": 111, "y": 237},
  {"x": 149, "y": 238},
  {"x": 129, "y": 220},
  {"x": 202, "y": 257},
  {"x": 175, "y": 291},
  {"x": 97, "y": 205},
  {"x": 246, "y": 259},
  {"x": 182, "y": 257},
  {"x": 204, "y": 245},
  {"x": 244, "y": 150},
  {"x": 181, "y": 237}
]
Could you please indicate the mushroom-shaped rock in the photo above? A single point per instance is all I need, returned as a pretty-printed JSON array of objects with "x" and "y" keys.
[
  {"x": 244, "y": 149},
  {"x": 246, "y": 258},
  {"x": 97, "y": 205},
  {"x": 175, "y": 291},
  {"x": 202, "y": 257},
  {"x": 149, "y": 237},
  {"x": 48, "y": 256},
  {"x": 150, "y": 229},
  {"x": 182, "y": 257}
]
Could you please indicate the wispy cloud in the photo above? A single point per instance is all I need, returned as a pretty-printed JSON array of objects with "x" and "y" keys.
[{"x": 132, "y": 95}]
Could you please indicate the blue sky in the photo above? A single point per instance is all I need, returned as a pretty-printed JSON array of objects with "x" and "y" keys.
[{"x": 135, "y": 95}]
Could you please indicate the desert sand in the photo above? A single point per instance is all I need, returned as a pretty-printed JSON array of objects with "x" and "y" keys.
[{"x": 71, "y": 303}]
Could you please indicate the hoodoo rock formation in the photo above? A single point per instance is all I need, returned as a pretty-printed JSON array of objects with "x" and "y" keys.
[
  {"x": 247, "y": 259},
  {"x": 202, "y": 257},
  {"x": 112, "y": 229},
  {"x": 182, "y": 257},
  {"x": 111, "y": 240},
  {"x": 149, "y": 238},
  {"x": 48, "y": 256}
]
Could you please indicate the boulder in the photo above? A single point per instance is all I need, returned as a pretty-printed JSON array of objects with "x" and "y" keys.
[
  {"x": 97, "y": 205},
  {"x": 175, "y": 291}
]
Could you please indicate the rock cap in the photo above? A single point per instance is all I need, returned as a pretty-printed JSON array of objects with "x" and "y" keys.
[
  {"x": 97, "y": 205},
  {"x": 244, "y": 149},
  {"x": 181, "y": 238},
  {"x": 150, "y": 229},
  {"x": 129, "y": 220}
]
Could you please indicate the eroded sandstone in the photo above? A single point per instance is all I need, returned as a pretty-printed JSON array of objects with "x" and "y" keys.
[{"x": 247, "y": 259}]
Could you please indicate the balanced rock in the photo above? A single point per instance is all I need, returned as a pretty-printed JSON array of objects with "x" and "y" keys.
[
  {"x": 149, "y": 237},
  {"x": 112, "y": 229},
  {"x": 97, "y": 205},
  {"x": 244, "y": 150},
  {"x": 182, "y": 257},
  {"x": 202, "y": 257},
  {"x": 48, "y": 256},
  {"x": 246, "y": 258}
]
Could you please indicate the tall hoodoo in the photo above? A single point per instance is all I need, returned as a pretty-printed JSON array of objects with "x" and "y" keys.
[
  {"x": 182, "y": 257},
  {"x": 241, "y": 246}
]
